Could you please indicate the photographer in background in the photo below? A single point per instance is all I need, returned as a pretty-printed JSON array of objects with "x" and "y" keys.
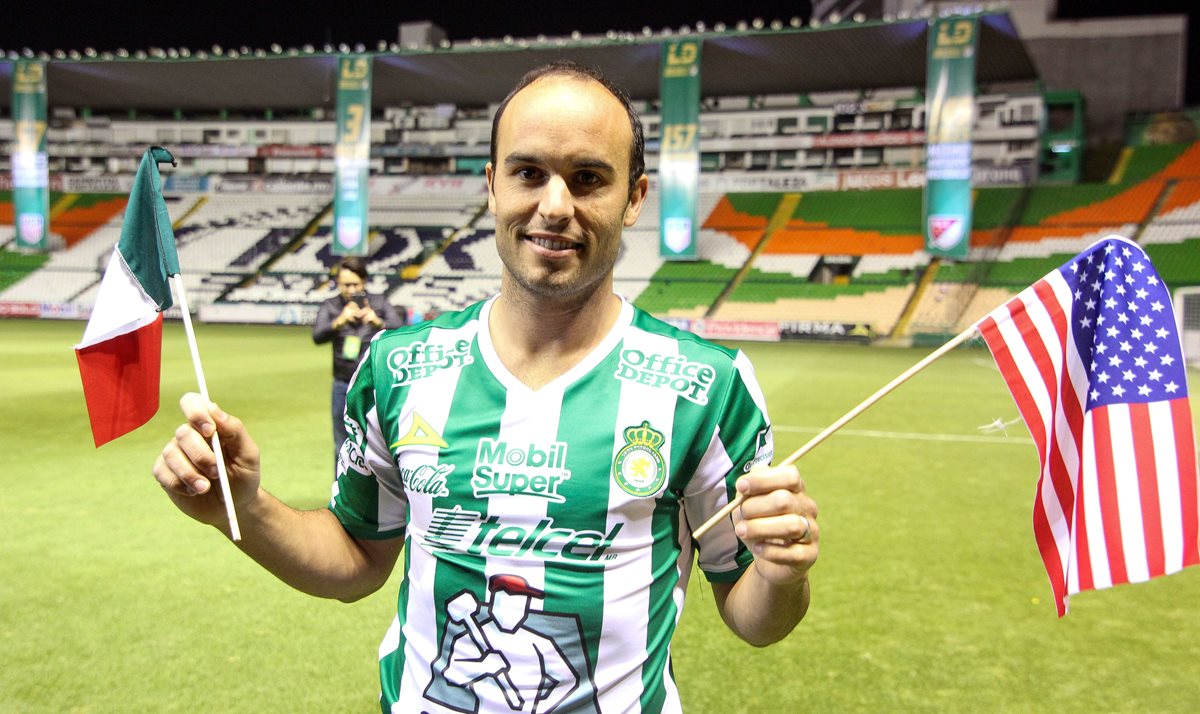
[{"x": 350, "y": 319}]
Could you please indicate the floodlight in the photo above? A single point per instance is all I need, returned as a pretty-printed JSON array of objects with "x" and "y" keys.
[
  {"x": 185, "y": 52},
  {"x": 443, "y": 43},
  {"x": 700, "y": 26},
  {"x": 140, "y": 54},
  {"x": 89, "y": 51},
  {"x": 758, "y": 23},
  {"x": 795, "y": 22},
  {"x": 260, "y": 53},
  {"x": 122, "y": 52},
  {"x": 719, "y": 27},
  {"x": 814, "y": 23},
  {"x": 835, "y": 18},
  {"x": 201, "y": 54},
  {"x": 59, "y": 54},
  {"x": 360, "y": 48},
  {"x": 395, "y": 47},
  {"x": 308, "y": 49},
  {"x": 216, "y": 50},
  {"x": 576, "y": 34},
  {"x": 508, "y": 39},
  {"x": 172, "y": 53},
  {"x": 647, "y": 31},
  {"x": 328, "y": 48},
  {"x": 741, "y": 26},
  {"x": 344, "y": 48},
  {"x": 776, "y": 25},
  {"x": 157, "y": 52},
  {"x": 276, "y": 48},
  {"x": 541, "y": 38}
]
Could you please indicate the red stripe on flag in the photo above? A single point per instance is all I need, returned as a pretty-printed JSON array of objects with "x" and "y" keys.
[
  {"x": 1106, "y": 484},
  {"x": 1015, "y": 381},
  {"x": 1048, "y": 548},
  {"x": 1036, "y": 343},
  {"x": 1185, "y": 450},
  {"x": 120, "y": 381},
  {"x": 1083, "y": 556},
  {"x": 1147, "y": 476}
]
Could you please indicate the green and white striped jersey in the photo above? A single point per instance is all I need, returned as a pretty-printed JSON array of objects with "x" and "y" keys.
[{"x": 547, "y": 533}]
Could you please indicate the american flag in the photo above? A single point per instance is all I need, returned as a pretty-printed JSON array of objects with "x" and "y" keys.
[{"x": 1092, "y": 356}]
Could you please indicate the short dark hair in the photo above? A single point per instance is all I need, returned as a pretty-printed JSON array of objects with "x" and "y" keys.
[
  {"x": 567, "y": 68},
  {"x": 354, "y": 264}
]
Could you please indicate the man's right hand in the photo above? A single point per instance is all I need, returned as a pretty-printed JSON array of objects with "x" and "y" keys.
[
  {"x": 351, "y": 313},
  {"x": 187, "y": 467}
]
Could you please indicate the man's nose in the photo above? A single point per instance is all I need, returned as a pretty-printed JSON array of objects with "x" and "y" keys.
[{"x": 556, "y": 204}]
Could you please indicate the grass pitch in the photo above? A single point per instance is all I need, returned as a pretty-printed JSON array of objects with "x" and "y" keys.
[{"x": 929, "y": 594}]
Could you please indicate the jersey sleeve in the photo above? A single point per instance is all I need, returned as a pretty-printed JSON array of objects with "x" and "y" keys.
[
  {"x": 368, "y": 495},
  {"x": 741, "y": 440}
]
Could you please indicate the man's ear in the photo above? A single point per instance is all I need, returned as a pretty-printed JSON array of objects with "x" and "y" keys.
[
  {"x": 491, "y": 193},
  {"x": 637, "y": 199}
]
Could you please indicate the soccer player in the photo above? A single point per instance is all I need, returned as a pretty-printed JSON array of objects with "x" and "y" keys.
[{"x": 545, "y": 453}]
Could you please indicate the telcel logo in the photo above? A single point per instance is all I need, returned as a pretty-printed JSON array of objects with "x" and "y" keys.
[
  {"x": 502, "y": 469},
  {"x": 690, "y": 380},
  {"x": 458, "y": 530},
  {"x": 421, "y": 359}
]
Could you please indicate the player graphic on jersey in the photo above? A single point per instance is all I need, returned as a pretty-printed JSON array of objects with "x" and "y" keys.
[{"x": 501, "y": 657}]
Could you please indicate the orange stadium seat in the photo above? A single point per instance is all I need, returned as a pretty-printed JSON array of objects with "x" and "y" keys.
[
  {"x": 724, "y": 217},
  {"x": 1187, "y": 165},
  {"x": 1129, "y": 206},
  {"x": 1185, "y": 195},
  {"x": 75, "y": 224},
  {"x": 839, "y": 241}
]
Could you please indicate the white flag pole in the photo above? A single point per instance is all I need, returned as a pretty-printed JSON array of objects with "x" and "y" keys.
[
  {"x": 234, "y": 531},
  {"x": 862, "y": 407}
]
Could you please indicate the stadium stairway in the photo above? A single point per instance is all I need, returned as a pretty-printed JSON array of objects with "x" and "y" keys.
[{"x": 779, "y": 220}]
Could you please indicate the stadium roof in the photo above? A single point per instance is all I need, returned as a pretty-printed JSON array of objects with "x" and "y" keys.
[{"x": 829, "y": 58}]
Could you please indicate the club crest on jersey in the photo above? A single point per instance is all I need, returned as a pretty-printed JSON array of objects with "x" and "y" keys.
[
  {"x": 690, "y": 380},
  {"x": 638, "y": 467},
  {"x": 419, "y": 360},
  {"x": 525, "y": 469}
]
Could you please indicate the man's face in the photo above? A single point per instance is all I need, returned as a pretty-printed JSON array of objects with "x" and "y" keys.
[
  {"x": 560, "y": 188},
  {"x": 349, "y": 283}
]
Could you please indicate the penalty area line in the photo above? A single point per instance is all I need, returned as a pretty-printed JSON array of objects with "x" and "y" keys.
[{"x": 911, "y": 436}]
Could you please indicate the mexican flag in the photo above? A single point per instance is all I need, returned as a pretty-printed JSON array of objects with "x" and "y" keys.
[{"x": 120, "y": 355}]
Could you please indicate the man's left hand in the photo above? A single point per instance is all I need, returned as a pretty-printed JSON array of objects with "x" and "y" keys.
[{"x": 778, "y": 522}]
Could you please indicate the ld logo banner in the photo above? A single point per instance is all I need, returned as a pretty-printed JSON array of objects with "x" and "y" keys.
[
  {"x": 679, "y": 149},
  {"x": 352, "y": 156},
  {"x": 30, "y": 168},
  {"x": 950, "y": 92}
]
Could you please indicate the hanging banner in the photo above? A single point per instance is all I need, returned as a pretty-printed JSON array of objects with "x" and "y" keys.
[
  {"x": 950, "y": 112},
  {"x": 679, "y": 152},
  {"x": 352, "y": 156},
  {"x": 30, "y": 168}
]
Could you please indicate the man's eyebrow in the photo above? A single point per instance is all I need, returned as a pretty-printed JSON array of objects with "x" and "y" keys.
[{"x": 585, "y": 163}]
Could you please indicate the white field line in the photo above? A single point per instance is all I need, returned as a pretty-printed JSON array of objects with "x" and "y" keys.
[{"x": 912, "y": 436}]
